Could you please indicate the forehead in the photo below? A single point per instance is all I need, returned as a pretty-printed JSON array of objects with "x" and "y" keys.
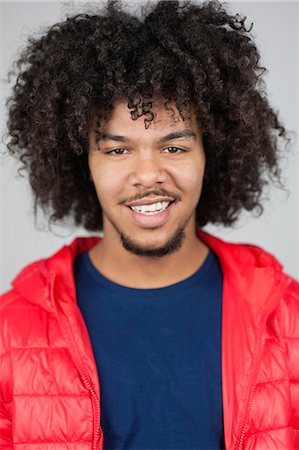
[{"x": 164, "y": 119}]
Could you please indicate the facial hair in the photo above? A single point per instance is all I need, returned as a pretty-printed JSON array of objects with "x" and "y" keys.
[{"x": 173, "y": 244}]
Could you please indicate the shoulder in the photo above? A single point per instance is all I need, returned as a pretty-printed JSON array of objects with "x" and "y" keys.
[
  {"x": 20, "y": 320},
  {"x": 27, "y": 310},
  {"x": 22, "y": 308},
  {"x": 13, "y": 298},
  {"x": 286, "y": 315}
]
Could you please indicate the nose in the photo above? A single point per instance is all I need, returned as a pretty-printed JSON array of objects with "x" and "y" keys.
[{"x": 147, "y": 171}]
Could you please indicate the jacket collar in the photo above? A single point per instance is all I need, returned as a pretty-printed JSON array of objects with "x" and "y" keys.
[
  {"x": 37, "y": 280},
  {"x": 245, "y": 266},
  {"x": 255, "y": 273}
]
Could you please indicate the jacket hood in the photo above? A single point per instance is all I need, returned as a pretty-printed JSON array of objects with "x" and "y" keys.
[
  {"x": 255, "y": 273},
  {"x": 246, "y": 266}
]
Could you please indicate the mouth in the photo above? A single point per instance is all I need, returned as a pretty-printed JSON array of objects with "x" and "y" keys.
[
  {"x": 152, "y": 208},
  {"x": 151, "y": 216}
]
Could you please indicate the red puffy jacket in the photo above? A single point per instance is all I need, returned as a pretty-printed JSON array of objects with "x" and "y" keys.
[{"x": 49, "y": 383}]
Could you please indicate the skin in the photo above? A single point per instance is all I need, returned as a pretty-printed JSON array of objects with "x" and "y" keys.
[{"x": 130, "y": 254}]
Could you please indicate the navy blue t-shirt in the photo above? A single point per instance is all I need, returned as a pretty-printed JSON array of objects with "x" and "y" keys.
[{"x": 158, "y": 354}]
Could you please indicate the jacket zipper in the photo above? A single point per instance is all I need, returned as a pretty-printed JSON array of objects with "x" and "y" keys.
[
  {"x": 246, "y": 420},
  {"x": 95, "y": 400},
  {"x": 76, "y": 360},
  {"x": 249, "y": 400}
]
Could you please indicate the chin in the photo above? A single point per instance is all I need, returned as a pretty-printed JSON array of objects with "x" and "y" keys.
[{"x": 158, "y": 248}]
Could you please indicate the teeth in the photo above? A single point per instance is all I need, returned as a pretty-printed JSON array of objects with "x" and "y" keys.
[{"x": 151, "y": 209}]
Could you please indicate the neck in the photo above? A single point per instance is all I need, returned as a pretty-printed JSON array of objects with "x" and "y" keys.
[{"x": 143, "y": 272}]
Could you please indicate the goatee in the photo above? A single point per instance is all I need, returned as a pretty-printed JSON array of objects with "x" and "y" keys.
[{"x": 173, "y": 244}]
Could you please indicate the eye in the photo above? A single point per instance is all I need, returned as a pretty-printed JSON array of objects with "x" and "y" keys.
[
  {"x": 116, "y": 151},
  {"x": 174, "y": 149}
]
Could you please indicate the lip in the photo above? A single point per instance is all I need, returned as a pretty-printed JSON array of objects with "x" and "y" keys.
[
  {"x": 150, "y": 201},
  {"x": 153, "y": 220}
]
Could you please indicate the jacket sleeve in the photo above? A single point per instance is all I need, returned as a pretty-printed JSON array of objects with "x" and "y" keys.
[
  {"x": 289, "y": 325},
  {"x": 6, "y": 441},
  {"x": 5, "y": 427}
]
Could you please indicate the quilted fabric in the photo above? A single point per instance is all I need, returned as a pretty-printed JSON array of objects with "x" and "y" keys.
[{"x": 49, "y": 386}]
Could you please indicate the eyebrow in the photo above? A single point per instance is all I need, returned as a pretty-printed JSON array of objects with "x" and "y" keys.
[
  {"x": 169, "y": 137},
  {"x": 178, "y": 134}
]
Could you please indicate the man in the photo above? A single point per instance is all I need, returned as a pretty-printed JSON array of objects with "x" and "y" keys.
[{"x": 158, "y": 335}]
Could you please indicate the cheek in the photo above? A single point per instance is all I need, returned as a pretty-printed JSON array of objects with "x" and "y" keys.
[
  {"x": 108, "y": 180},
  {"x": 189, "y": 176}
]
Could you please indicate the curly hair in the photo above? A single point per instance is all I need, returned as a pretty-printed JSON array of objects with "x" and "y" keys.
[{"x": 183, "y": 52}]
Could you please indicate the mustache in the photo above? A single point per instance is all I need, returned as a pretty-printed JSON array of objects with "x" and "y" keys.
[{"x": 153, "y": 193}]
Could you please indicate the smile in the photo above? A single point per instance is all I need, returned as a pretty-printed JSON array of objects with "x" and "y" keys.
[
  {"x": 151, "y": 216},
  {"x": 154, "y": 208}
]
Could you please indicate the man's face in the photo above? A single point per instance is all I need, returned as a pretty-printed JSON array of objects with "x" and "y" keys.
[{"x": 132, "y": 165}]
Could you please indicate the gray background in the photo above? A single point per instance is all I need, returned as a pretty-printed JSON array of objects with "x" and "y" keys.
[{"x": 276, "y": 34}]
